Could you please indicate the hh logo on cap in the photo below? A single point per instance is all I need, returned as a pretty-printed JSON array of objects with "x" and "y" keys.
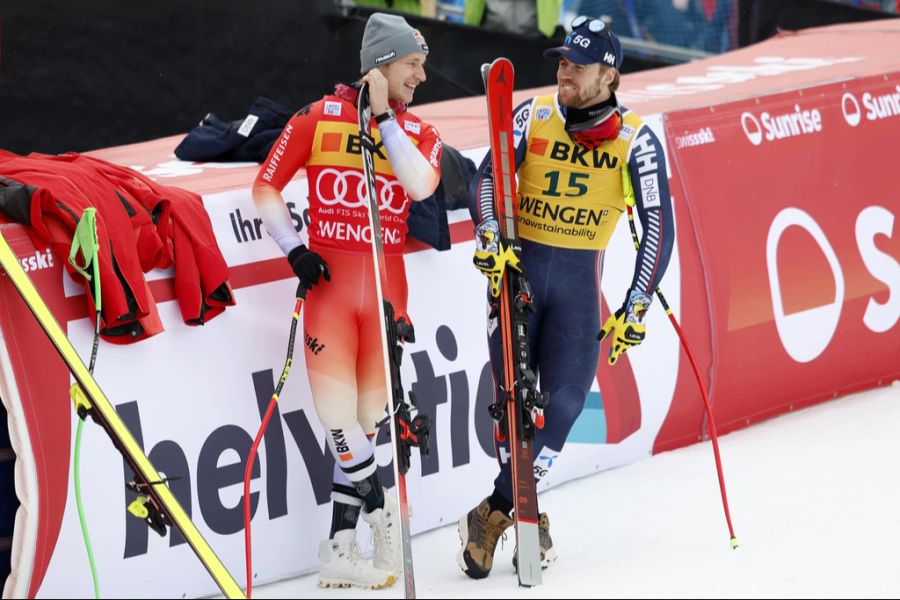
[{"x": 609, "y": 58}]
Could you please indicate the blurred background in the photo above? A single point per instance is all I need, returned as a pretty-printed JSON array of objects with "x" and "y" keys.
[{"x": 89, "y": 74}]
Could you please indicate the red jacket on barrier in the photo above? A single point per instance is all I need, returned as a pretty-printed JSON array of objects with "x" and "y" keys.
[
  {"x": 58, "y": 198},
  {"x": 201, "y": 275},
  {"x": 141, "y": 225}
]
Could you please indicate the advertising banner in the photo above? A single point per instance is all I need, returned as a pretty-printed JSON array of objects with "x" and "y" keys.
[
  {"x": 785, "y": 279},
  {"x": 193, "y": 397},
  {"x": 793, "y": 200}
]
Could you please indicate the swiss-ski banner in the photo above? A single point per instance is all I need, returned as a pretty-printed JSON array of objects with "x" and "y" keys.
[{"x": 793, "y": 198}]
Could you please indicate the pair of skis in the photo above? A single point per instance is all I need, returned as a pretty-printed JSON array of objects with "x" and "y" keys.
[
  {"x": 156, "y": 504},
  {"x": 520, "y": 411}
]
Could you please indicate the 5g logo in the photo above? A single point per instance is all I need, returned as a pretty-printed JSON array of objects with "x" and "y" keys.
[{"x": 581, "y": 41}]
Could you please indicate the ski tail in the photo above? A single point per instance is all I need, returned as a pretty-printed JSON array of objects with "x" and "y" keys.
[
  {"x": 156, "y": 504},
  {"x": 522, "y": 406}
]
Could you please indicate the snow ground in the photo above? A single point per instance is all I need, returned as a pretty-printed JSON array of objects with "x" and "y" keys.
[{"x": 814, "y": 497}]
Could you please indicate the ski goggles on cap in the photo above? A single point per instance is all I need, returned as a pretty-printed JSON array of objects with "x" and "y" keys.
[
  {"x": 590, "y": 41},
  {"x": 595, "y": 25}
]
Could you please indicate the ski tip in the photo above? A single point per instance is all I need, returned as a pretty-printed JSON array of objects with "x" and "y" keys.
[
  {"x": 734, "y": 543},
  {"x": 500, "y": 69},
  {"x": 502, "y": 72}
]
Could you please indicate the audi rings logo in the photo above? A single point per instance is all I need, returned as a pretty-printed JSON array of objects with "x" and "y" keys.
[
  {"x": 348, "y": 188},
  {"x": 752, "y": 128},
  {"x": 851, "y": 110}
]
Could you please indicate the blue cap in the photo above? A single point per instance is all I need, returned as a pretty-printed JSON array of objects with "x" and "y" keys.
[{"x": 590, "y": 41}]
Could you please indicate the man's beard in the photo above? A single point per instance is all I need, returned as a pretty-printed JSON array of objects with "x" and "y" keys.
[{"x": 586, "y": 96}]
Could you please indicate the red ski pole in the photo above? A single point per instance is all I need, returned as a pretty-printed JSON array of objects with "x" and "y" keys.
[
  {"x": 248, "y": 471},
  {"x": 709, "y": 411}
]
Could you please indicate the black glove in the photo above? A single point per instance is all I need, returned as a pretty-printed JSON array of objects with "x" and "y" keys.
[
  {"x": 405, "y": 331},
  {"x": 308, "y": 266}
]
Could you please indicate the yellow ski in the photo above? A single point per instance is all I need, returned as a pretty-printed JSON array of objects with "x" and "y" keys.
[{"x": 158, "y": 506}]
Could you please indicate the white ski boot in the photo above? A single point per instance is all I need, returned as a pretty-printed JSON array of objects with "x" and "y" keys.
[
  {"x": 341, "y": 566},
  {"x": 386, "y": 528}
]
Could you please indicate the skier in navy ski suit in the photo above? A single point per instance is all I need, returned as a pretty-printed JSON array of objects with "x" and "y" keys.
[{"x": 577, "y": 153}]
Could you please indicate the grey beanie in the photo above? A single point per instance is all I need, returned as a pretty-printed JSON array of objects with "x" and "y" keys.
[{"x": 387, "y": 38}]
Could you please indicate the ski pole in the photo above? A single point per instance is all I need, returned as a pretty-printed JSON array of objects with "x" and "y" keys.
[
  {"x": 709, "y": 411},
  {"x": 85, "y": 239},
  {"x": 248, "y": 471}
]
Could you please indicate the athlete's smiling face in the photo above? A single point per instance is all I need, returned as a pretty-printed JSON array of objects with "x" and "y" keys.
[
  {"x": 583, "y": 85},
  {"x": 404, "y": 75}
]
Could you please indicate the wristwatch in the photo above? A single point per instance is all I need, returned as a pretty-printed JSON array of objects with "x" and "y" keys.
[{"x": 388, "y": 114}]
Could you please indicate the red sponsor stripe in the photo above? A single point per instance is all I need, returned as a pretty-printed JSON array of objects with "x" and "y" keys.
[
  {"x": 331, "y": 142},
  {"x": 538, "y": 146}
]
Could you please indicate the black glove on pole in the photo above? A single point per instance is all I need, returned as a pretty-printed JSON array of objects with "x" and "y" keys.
[{"x": 308, "y": 266}]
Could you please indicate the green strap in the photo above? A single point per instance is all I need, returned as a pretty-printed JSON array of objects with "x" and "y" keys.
[
  {"x": 81, "y": 517},
  {"x": 85, "y": 239}
]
